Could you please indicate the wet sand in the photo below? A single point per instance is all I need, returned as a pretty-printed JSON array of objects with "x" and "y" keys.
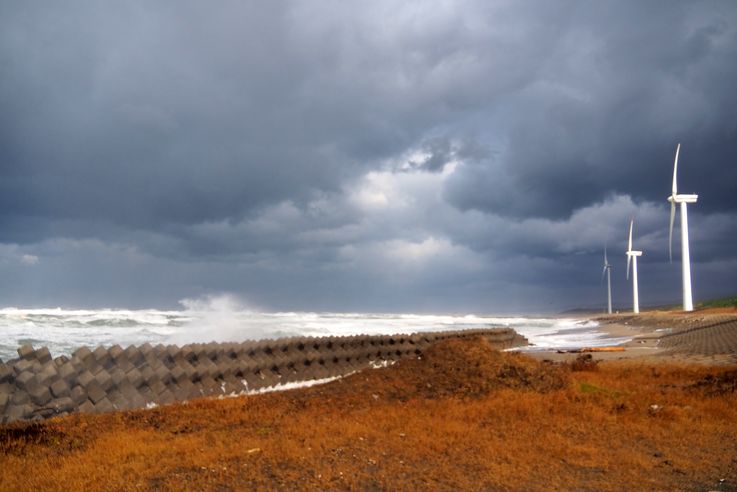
[{"x": 701, "y": 337}]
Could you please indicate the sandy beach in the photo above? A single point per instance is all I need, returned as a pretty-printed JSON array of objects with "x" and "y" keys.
[{"x": 706, "y": 337}]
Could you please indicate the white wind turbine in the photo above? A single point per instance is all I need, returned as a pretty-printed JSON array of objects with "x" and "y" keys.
[
  {"x": 607, "y": 271},
  {"x": 685, "y": 256},
  {"x": 632, "y": 257}
]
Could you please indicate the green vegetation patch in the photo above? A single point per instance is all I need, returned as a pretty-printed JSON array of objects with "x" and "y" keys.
[{"x": 719, "y": 303}]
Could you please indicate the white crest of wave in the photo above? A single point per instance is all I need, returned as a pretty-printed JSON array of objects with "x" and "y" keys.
[{"x": 219, "y": 318}]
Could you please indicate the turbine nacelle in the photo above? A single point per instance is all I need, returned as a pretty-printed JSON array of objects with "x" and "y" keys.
[{"x": 683, "y": 199}]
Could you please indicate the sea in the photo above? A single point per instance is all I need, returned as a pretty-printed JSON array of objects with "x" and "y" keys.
[{"x": 65, "y": 330}]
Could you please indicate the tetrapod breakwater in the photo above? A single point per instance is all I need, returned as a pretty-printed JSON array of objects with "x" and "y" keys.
[{"x": 104, "y": 379}]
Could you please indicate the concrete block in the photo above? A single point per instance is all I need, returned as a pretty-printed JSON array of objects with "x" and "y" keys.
[
  {"x": 18, "y": 412},
  {"x": 135, "y": 378},
  {"x": 126, "y": 393},
  {"x": 117, "y": 376},
  {"x": 213, "y": 351},
  {"x": 94, "y": 367},
  {"x": 124, "y": 364},
  {"x": 184, "y": 366},
  {"x": 189, "y": 353},
  {"x": 252, "y": 382},
  {"x": 104, "y": 380},
  {"x": 173, "y": 352},
  {"x": 187, "y": 390},
  {"x": 78, "y": 395},
  {"x": 179, "y": 392},
  {"x": 163, "y": 374},
  {"x": 157, "y": 387},
  {"x": 26, "y": 381},
  {"x": 86, "y": 407},
  {"x": 115, "y": 352},
  {"x": 166, "y": 397},
  {"x": 43, "y": 355},
  {"x": 148, "y": 375},
  {"x": 59, "y": 389},
  {"x": 94, "y": 392},
  {"x": 147, "y": 395},
  {"x": 117, "y": 400},
  {"x": 228, "y": 388},
  {"x": 134, "y": 355},
  {"x": 20, "y": 397},
  {"x": 103, "y": 406},
  {"x": 82, "y": 354},
  {"x": 195, "y": 374},
  {"x": 68, "y": 373},
  {"x": 100, "y": 354},
  {"x": 22, "y": 365},
  {"x": 147, "y": 353},
  {"x": 85, "y": 378},
  {"x": 145, "y": 348},
  {"x": 289, "y": 376},
  {"x": 238, "y": 371},
  {"x": 8, "y": 388},
  {"x": 6, "y": 374},
  {"x": 178, "y": 374},
  {"x": 152, "y": 359},
  {"x": 40, "y": 395},
  {"x": 62, "y": 405},
  {"x": 26, "y": 352},
  {"x": 217, "y": 370},
  {"x": 204, "y": 367},
  {"x": 269, "y": 378},
  {"x": 47, "y": 374},
  {"x": 136, "y": 401},
  {"x": 62, "y": 359}
]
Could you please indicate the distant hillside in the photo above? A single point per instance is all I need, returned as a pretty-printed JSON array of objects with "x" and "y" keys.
[{"x": 725, "y": 302}]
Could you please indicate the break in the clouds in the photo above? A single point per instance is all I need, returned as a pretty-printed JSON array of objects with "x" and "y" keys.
[{"x": 392, "y": 156}]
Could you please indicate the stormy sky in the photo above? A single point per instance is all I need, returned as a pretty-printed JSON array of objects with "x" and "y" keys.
[{"x": 363, "y": 156}]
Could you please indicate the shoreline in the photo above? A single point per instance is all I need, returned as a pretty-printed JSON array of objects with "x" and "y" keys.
[{"x": 707, "y": 337}]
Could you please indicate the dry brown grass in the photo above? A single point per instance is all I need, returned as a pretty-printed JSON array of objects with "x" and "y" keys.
[{"x": 463, "y": 417}]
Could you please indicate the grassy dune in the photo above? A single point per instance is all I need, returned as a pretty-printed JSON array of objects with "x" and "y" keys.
[{"x": 462, "y": 417}]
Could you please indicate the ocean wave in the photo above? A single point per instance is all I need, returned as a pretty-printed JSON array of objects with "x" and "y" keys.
[{"x": 65, "y": 330}]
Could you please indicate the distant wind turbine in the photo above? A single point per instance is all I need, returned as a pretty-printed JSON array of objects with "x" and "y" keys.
[
  {"x": 607, "y": 272},
  {"x": 632, "y": 257},
  {"x": 685, "y": 256}
]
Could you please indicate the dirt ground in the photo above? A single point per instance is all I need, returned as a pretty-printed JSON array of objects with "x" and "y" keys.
[{"x": 462, "y": 417}]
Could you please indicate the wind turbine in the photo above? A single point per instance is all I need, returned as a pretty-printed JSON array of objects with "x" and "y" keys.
[
  {"x": 632, "y": 257},
  {"x": 607, "y": 271},
  {"x": 685, "y": 256}
]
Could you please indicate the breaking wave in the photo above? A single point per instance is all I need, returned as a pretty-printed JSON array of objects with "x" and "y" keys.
[{"x": 225, "y": 319}]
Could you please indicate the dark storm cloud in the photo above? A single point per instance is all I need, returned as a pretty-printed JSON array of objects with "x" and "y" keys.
[
  {"x": 326, "y": 155},
  {"x": 623, "y": 85}
]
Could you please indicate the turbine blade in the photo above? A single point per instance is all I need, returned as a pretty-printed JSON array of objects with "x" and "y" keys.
[
  {"x": 670, "y": 233},
  {"x": 629, "y": 244},
  {"x": 675, "y": 171},
  {"x": 602, "y": 274},
  {"x": 629, "y": 260},
  {"x": 606, "y": 262}
]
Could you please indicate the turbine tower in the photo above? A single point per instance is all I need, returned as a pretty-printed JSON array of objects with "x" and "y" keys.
[
  {"x": 608, "y": 272},
  {"x": 632, "y": 257},
  {"x": 685, "y": 256}
]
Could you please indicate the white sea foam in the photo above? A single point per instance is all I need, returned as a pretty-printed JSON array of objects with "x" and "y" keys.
[{"x": 224, "y": 320}]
